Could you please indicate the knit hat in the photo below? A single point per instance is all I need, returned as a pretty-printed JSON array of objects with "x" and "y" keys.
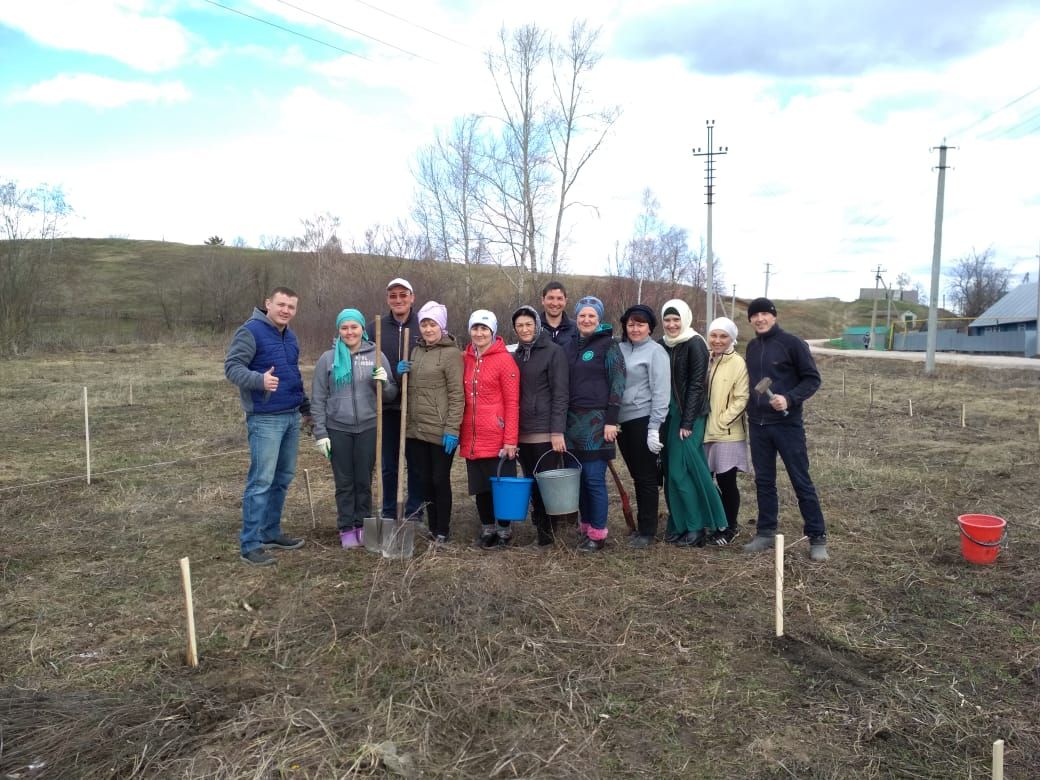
[
  {"x": 642, "y": 310},
  {"x": 438, "y": 312},
  {"x": 341, "y": 363},
  {"x": 760, "y": 305},
  {"x": 592, "y": 301},
  {"x": 724, "y": 324},
  {"x": 485, "y": 318}
]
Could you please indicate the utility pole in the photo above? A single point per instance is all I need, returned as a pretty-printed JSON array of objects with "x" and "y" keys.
[
  {"x": 709, "y": 179},
  {"x": 766, "y": 293},
  {"x": 733, "y": 305},
  {"x": 933, "y": 297},
  {"x": 873, "y": 313}
]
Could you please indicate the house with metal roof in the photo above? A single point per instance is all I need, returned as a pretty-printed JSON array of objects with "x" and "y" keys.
[
  {"x": 1012, "y": 317},
  {"x": 1015, "y": 311}
]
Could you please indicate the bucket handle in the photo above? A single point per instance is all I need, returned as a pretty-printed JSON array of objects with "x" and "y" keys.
[
  {"x": 501, "y": 460},
  {"x": 999, "y": 543},
  {"x": 565, "y": 452}
]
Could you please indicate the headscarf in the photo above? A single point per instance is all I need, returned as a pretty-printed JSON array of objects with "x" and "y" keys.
[
  {"x": 727, "y": 325},
  {"x": 437, "y": 312},
  {"x": 594, "y": 302},
  {"x": 522, "y": 349},
  {"x": 342, "y": 364},
  {"x": 685, "y": 317}
]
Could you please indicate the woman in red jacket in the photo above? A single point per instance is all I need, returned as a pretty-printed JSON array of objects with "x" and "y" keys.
[{"x": 490, "y": 420}]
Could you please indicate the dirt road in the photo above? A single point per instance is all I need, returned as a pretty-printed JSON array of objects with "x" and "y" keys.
[{"x": 947, "y": 358}]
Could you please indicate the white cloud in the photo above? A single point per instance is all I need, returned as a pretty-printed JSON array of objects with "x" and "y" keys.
[
  {"x": 119, "y": 29},
  {"x": 99, "y": 91}
]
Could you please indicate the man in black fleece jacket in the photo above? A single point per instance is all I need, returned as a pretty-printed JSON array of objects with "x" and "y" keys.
[{"x": 776, "y": 426}]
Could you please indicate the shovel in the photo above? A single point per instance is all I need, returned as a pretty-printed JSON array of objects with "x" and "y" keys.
[
  {"x": 762, "y": 388},
  {"x": 398, "y": 535},
  {"x": 373, "y": 525}
]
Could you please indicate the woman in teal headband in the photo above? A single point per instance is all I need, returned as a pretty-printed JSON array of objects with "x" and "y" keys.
[{"x": 343, "y": 401}]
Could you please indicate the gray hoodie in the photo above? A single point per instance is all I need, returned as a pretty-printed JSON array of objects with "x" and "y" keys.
[
  {"x": 351, "y": 407},
  {"x": 648, "y": 382}
]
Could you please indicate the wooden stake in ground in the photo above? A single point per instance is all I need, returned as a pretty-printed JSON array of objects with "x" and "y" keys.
[
  {"x": 870, "y": 390},
  {"x": 779, "y": 545},
  {"x": 964, "y": 415},
  {"x": 131, "y": 393},
  {"x": 193, "y": 654},
  {"x": 310, "y": 501},
  {"x": 400, "y": 455},
  {"x": 86, "y": 430},
  {"x": 843, "y": 383},
  {"x": 911, "y": 407},
  {"x": 998, "y": 760}
]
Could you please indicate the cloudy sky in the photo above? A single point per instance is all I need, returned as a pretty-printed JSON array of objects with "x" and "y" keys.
[{"x": 180, "y": 119}]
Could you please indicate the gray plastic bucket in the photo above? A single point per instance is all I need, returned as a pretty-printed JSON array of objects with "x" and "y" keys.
[{"x": 559, "y": 487}]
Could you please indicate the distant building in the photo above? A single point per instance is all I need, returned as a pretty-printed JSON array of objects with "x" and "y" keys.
[
  {"x": 881, "y": 294},
  {"x": 1015, "y": 311}
]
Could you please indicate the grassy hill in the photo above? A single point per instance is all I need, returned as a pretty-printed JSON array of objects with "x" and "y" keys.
[{"x": 110, "y": 291}]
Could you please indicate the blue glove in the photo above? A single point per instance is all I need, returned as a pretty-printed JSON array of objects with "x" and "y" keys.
[
  {"x": 450, "y": 443},
  {"x": 404, "y": 366}
]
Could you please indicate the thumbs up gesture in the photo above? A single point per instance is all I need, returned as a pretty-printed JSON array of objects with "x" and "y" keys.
[{"x": 270, "y": 380}]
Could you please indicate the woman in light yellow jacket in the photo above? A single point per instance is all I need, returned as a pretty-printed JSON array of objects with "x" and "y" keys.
[{"x": 725, "y": 435}]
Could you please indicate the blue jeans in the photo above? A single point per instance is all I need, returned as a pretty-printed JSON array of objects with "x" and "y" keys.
[
  {"x": 273, "y": 441},
  {"x": 592, "y": 496},
  {"x": 786, "y": 439},
  {"x": 391, "y": 449}
]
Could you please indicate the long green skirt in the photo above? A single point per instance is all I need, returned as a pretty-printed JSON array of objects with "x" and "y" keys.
[{"x": 693, "y": 500}]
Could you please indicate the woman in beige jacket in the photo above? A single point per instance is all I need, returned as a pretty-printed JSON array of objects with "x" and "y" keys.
[
  {"x": 725, "y": 436},
  {"x": 435, "y": 404}
]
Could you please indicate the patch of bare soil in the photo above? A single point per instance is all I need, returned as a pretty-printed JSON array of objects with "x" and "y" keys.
[{"x": 899, "y": 660}]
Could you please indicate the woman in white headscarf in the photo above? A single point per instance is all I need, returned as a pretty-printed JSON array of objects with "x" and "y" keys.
[
  {"x": 725, "y": 436},
  {"x": 695, "y": 511}
]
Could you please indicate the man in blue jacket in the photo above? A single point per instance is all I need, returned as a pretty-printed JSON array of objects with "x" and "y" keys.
[
  {"x": 776, "y": 426},
  {"x": 263, "y": 361}
]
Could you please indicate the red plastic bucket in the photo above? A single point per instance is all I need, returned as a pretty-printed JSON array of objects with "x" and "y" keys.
[{"x": 981, "y": 537}]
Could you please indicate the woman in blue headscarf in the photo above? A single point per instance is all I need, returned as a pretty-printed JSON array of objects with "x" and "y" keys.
[{"x": 343, "y": 402}]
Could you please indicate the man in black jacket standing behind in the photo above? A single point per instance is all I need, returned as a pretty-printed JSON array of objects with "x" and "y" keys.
[
  {"x": 776, "y": 426},
  {"x": 400, "y": 299}
]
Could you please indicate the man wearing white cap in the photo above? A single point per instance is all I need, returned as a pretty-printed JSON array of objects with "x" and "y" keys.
[{"x": 400, "y": 298}]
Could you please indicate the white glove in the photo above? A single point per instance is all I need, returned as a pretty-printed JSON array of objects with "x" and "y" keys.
[
  {"x": 653, "y": 441},
  {"x": 379, "y": 374},
  {"x": 324, "y": 447}
]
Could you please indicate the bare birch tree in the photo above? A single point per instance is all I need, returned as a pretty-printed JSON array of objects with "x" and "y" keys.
[{"x": 576, "y": 129}]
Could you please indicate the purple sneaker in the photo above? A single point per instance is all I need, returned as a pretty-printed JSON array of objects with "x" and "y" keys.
[{"x": 351, "y": 538}]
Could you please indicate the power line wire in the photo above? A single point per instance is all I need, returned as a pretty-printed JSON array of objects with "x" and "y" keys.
[
  {"x": 986, "y": 116},
  {"x": 288, "y": 30},
  {"x": 353, "y": 30},
  {"x": 416, "y": 25}
]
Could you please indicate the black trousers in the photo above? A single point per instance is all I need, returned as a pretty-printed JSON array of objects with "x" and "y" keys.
[
  {"x": 433, "y": 466},
  {"x": 353, "y": 458},
  {"x": 642, "y": 465},
  {"x": 529, "y": 453}
]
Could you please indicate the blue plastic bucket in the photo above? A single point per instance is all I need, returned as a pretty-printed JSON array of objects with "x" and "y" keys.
[{"x": 511, "y": 496}]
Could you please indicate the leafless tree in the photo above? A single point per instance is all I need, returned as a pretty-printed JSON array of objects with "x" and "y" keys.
[
  {"x": 576, "y": 129},
  {"x": 31, "y": 220},
  {"x": 976, "y": 283},
  {"x": 520, "y": 158},
  {"x": 321, "y": 240},
  {"x": 449, "y": 195}
]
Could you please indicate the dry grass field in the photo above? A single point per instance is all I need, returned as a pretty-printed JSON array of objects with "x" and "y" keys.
[{"x": 900, "y": 659}]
